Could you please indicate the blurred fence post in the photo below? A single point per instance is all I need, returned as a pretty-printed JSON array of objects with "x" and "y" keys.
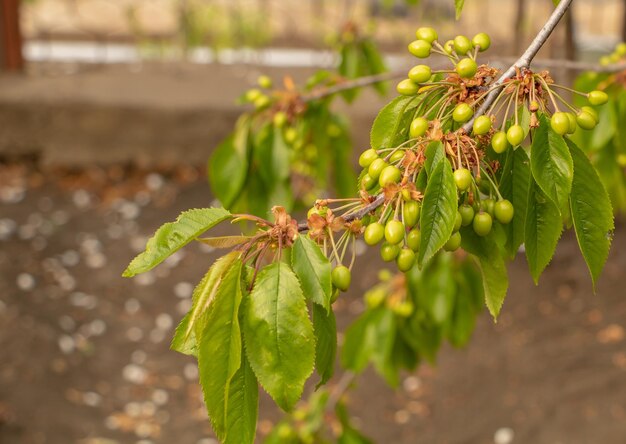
[
  {"x": 624, "y": 22},
  {"x": 10, "y": 36}
]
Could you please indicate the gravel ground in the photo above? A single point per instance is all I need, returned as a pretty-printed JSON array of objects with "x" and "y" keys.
[{"x": 84, "y": 354}]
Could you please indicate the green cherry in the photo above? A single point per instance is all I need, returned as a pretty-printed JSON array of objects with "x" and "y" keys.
[
  {"x": 560, "y": 123},
  {"x": 453, "y": 243},
  {"x": 503, "y": 211},
  {"x": 598, "y": 97},
  {"x": 586, "y": 120},
  {"x": 407, "y": 87},
  {"x": 591, "y": 111},
  {"x": 571, "y": 117},
  {"x": 488, "y": 205},
  {"x": 376, "y": 167},
  {"x": 467, "y": 214},
  {"x": 341, "y": 277},
  {"x": 515, "y": 135},
  {"x": 413, "y": 239},
  {"x": 499, "y": 142},
  {"x": 463, "y": 179},
  {"x": 462, "y": 113},
  {"x": 367, "y": 182},
  {"x": 367, "y": 157},
  {"x": 428, "y": 34},
  {"x": 389, "y": 252},
  {"x": 389, "y": 175},
  {"x": 418, "y": 127},
  {"x": 462, "y": 45},
  {"x": 405, "y": 259},
  {"x": 396, "y": 156},
  {"x": 482, "y": 41},
  {"x": 482, "y": 224},
  {"x": 264, "y": 82},
  {"x": 482, "y": 125},
  {"x": 420, "y": 73},
  {"x": 420, "y": 48},
  {"x": 394, "y": 231},
  {"x": 411, "y": 213},
  {"x": 466, "y": 68},
  {"x": 374, "y": 233}
]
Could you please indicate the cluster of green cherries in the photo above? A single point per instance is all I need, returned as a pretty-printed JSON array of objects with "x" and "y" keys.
[{"x": 617, "y": 56}]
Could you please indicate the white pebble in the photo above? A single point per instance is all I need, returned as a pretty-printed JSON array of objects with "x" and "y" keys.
[
  {"x": 503, "y": 435},
  {"x": 132, "y": 306},
  {"x": 138, "y": 357},
  {"x": 183, "y": 290},
  {"x": 81, "y": 199},
  {"x": 164, "y": 321},
  {"x": 92, "y": 399},
  {"x": 134, "y": 334},
  {"x": 67, "y": 344},
  {"x": 154, "y": 181},
  {"x": 134, "y": 373},
  {"x": 160, "y": 397},
  {"x": 70, "y": 258},
  {"x": 184, "y": 306},
  {"x": 191, "y": 371}
]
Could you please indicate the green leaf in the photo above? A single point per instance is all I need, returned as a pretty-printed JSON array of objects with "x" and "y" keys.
[
  {"x": 228, "y": 165},
  {"x": 224, "y": 241},
  {"x": 492, "y": 268},
  {"x": 172, "y": 236},
  {"x": 279, "y": 339},
  {"x": 325, "y": 328},
  {"x": 591, "y": 212},
  {"x": 219, "y": 347},
  {"x": 439, "y": 209},
  {"x": 313, "y": 270},
  {"x": 458, "y": 7},
  {"x": 272, "y": 157},
  {"x": 203, "y": 295},
  {"x": 551, "y": 163},
  {"x": 390, "y": 126},
  {"x": 375, "y": 64},
  {"x": 243, "y": 406},
  {"x": 514, "y": 187},
  {"x": 434, "y": 154},
  {"x": 543, "y": 230}
]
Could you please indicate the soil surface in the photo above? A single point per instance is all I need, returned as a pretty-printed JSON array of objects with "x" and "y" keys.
[{"x": 84, "y": 354}]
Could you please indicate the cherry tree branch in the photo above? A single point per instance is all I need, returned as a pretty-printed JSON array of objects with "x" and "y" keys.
[{"x": 524, "y": 60}]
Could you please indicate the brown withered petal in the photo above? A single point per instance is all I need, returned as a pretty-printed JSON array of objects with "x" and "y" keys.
[{"x": 316, "y": 221}]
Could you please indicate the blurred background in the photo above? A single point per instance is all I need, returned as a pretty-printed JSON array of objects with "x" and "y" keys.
[{"x": 109, "y": 110}]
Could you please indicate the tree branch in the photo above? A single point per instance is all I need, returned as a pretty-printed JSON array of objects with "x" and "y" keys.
[{"x": 524, "y": 60}]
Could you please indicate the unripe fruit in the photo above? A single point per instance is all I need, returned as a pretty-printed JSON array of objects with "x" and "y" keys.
[
  {"x": 413, "y": 239},
  {"x": 316, "y": 210},
  {"x": 376, "y": 167},
  {"x": 367, "y": 182},
  {"x": 407, "y": 87},
  {"x": 458, "y": 221},
  {"x": 389, "y": 175},
  {"x": 448, "y": 47},
  {"x": 488, "y": 205},
  {"x": 499, "y": 142},
  {"x": 591, "y": 111},
  {"x": 279, "y": 119},
  {"x": 515, "y": 135},
  {"x": 291, "y": 134},
  {"x": 482, "y": 41},
  {"x": 466, "y": 68},
  {"x": 462, "y": 45},
  {"x": 396, "y": 156},
  {"x": 571, "y": 117},
  {"x": 482, "y": 125},
  {"x": 374, "y": 298},
  {"x": 534, "y": 106},
  {"x": 598, "y": 97},
  {"x": 262, "y": 102},
  {"x": 374, "y": 233},
  {"x": 264, "y": 82},
  {"x": 453, "y": 243},
  {"x": 334, "y": 296},
  {"x": 586, "y": 120},
  {"x": 560, "y": 123},
  {"x": 341, "y": 277},
  {"x": 253, "y": 94},
  {"x": 463, "y": 179},
  {"x": 482, "y": 224},
  {"x": 394, "y": 231},
  {"x": 420, "y": 73},
  {"x": 418, "y": 127},
  {"x": 420, "y": 48},
  {"x": 620, "y": 49},
  {"x": 467, "y": 214},
  {"x": 367, "y": 157},
  {"x": 404, "y": 309},
  {"x": 389, "y": 252},
  {"x": 410, "y": 213},
  {"x": 406, "y": 259},
  {"x": 333, "y": 130},
  {"x": 462, "y": 113},
  {"x": 504, "y": 211},
  {"x": 428, "y": 34}
]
